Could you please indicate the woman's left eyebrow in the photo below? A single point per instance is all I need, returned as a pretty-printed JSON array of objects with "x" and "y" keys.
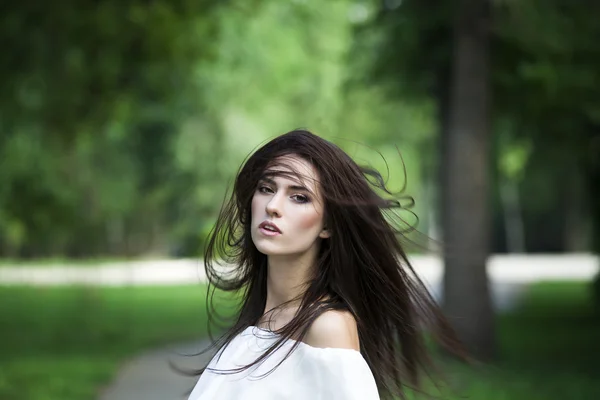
[{"x": 293, "y": 187}]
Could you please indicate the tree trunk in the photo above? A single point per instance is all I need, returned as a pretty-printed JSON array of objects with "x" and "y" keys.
[{"x": 465, "y": 180}]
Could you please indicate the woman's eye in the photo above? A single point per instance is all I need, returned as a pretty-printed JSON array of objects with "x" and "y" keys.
[{"x": 300, "y": 198}]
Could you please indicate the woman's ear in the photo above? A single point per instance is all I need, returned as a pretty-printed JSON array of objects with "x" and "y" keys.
[{"x": 325, "y": 234}]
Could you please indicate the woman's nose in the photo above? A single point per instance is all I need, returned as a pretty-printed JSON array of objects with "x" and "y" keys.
[{"x": 274, "y": 205}]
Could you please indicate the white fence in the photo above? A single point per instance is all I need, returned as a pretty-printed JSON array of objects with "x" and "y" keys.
[{"x": 509, "y": 269}]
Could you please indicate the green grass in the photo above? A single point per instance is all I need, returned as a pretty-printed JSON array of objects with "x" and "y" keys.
[
  {"x": 554, "y": 341},
  {"x": 66, "y": 343},
  {"x": 548, "y": 350}
]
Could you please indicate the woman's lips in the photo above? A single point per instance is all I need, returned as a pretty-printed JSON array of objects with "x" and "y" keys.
[
  {"x": 269, "y": 228},
  {"x": 267, "y": 232}
]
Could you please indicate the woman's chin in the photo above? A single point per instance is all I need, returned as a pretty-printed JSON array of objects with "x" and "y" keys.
[{"x": 268, "y": 250}]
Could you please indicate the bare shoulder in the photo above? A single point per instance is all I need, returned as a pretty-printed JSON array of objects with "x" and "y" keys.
[{"x": 335, "y": 329}]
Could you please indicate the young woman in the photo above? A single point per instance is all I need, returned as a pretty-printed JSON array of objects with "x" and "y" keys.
[{"x": 330, "y": 307}]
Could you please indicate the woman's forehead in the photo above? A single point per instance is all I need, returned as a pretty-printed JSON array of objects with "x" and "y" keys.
[{"x": 293, "y": 170}]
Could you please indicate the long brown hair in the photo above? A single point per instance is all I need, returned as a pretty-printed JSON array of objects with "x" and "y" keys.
[{"x": 361, "y": 268}]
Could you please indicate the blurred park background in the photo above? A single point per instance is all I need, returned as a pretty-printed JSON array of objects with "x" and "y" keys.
[{"x": 123, "y": 123}]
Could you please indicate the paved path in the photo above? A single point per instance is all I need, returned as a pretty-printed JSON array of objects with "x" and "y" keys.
[{"x": 149, "y": 376}]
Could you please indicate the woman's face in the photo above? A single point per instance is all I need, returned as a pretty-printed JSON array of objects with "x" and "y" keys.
[{"x": 297, "y": 213}]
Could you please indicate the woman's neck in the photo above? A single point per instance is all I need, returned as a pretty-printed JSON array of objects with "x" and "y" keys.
[{"x": 287, "y": 280}]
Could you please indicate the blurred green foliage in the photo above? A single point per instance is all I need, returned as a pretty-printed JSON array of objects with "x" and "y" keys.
[
  {"x": 544, "y": 62},
  {"x": 122, "y": 124}
]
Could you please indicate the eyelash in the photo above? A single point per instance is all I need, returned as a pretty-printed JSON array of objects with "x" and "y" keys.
[{"x": 305, "y": 199}]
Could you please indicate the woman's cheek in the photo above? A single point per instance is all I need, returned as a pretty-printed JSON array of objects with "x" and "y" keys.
[{"x": 309, "y": 219}]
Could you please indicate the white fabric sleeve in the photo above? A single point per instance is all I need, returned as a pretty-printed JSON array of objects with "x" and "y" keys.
[{"x": 339, "y": 374}]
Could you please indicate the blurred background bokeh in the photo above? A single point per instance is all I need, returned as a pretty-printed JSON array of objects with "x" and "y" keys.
[{"x": 123, "y": 123}]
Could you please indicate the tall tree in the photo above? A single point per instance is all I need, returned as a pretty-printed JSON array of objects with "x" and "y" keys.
[
  {"x": 465, "y": 152},
  {"x": 439, "y": 49}
]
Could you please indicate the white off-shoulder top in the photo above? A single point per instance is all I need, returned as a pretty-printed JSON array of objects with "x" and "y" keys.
[{"x": 308, "y": 373}]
